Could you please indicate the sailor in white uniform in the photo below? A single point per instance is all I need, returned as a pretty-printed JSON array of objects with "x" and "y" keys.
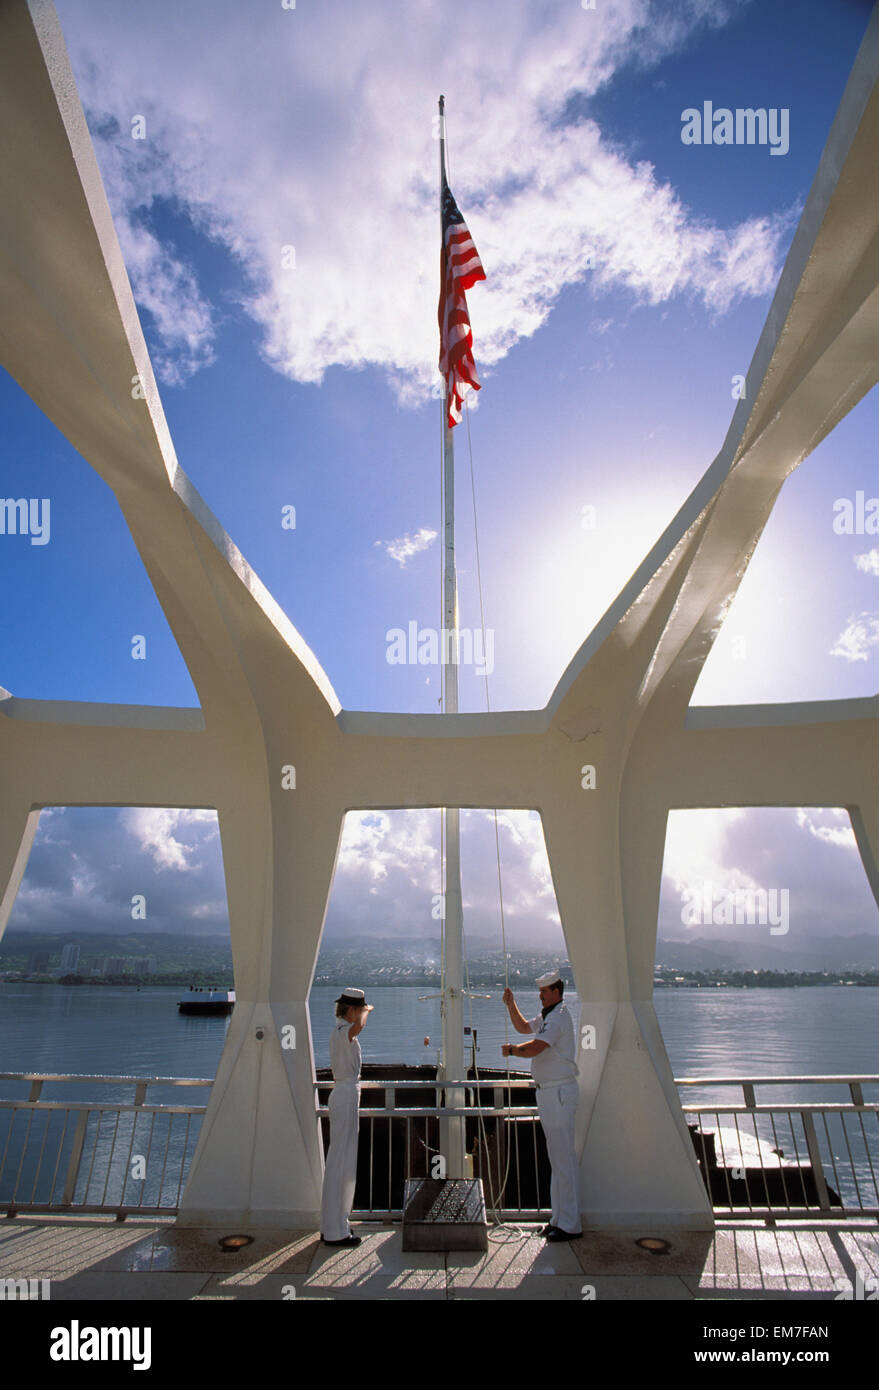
[
  {"x": 554, "y": 1068},
  {"x": 340, "y": 1171}
]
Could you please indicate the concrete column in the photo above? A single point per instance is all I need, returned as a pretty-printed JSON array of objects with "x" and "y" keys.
[
  {"x": 637, "y": 1165},
  {"x": 259, "y": 1160},
  {"x": 865, "y": 823},
  {"x": 18, "y": 826}
]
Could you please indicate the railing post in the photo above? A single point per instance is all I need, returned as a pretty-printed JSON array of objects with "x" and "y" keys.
[
  {"x": 390, "y": 1143},
  {"x": 815, "y": 1159},
  {"x": 75, "y": 1159}
]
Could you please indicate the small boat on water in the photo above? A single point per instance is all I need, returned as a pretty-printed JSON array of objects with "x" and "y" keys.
[{"x": 207, "y": 999}]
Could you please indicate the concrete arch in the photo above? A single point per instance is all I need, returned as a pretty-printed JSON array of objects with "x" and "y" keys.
[{"x": 622, "y": 705}]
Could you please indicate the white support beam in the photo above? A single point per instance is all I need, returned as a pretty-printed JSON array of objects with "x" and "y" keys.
[{"x": 266, "y": 705}]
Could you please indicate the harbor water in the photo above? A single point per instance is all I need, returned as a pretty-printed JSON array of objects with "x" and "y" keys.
[
  {"x": 124, "y": 1031},
  {"x": 120, "y": 1030}
]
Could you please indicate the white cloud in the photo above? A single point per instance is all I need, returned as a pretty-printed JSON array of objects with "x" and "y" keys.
[
  {"x": 526, "y": 880},
  {"x": 312, "y": 128},
  {"x": 770, "y": 848},
  {"x": 389, "y": 873},
  {"x": 839, "y": 832},
  {"x": 184, "y": 322},
  {"x": 406, "y": 546},
  {"x": 84, "y": 877},
  {"x": 85, "y": 881},
  {"x": 209, "y": 911},
  {"x": 855, "y": 642},
  {"x": 47, "y": 827},
  {"x": 869, "y": 562},
  {"x": 162, "y": 833},
  {"x": 697, "y": 851},
  {"x": 380, "y": 847}
]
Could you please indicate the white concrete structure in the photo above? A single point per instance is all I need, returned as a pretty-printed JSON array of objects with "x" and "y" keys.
[{"x": 622, "y": 705}]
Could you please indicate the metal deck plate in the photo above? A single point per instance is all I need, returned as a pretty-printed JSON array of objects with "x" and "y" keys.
[{"x": 444, "y": 1214}]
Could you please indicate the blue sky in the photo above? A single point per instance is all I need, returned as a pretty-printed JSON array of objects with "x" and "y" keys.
[{"x": 628, "y": 278}]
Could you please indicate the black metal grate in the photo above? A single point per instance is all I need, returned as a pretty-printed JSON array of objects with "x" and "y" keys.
[{"x": 451, "y": 1201}]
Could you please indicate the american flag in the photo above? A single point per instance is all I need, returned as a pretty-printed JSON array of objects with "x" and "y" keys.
[{"x": 460, "y": 268}]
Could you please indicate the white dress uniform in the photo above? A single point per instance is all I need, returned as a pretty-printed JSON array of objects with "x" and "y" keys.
[
  {"x": 340, "y": 1172},
  {"x": 555, "y": 1075}
]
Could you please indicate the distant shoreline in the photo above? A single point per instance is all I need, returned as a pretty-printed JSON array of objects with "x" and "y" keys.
[{"x": 726, "y": 979}]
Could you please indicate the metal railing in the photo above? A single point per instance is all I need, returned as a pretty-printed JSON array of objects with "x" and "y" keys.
[
  {"x": 504, "y": 1143},
  {"x": 87, "y": 1156},
  {"x": 779, "y": 1158},
  {"x": 788, "y": 1158}
]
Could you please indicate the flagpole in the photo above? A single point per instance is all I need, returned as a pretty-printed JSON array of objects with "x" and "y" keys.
[{"x": 452, "y": 1132}]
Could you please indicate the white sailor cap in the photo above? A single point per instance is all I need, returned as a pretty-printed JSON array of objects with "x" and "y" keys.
[
  {"x": 351, "y": 996},
  {"x": 552, "y": 977}
]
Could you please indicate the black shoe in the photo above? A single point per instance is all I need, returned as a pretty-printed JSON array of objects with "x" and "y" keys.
[
  {"x": 348, "y": 1240},
  {"x": 548, "y": 1230},
  {"x": 557, "y": 1234}
]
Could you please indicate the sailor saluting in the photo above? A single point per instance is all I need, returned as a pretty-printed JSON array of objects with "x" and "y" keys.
[
  {"x": 554, "y": 1068},
  {"x": 340, "y": 1172}
]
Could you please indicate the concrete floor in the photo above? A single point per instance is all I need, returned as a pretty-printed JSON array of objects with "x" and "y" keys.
[{"x": 98, "y": 1258}]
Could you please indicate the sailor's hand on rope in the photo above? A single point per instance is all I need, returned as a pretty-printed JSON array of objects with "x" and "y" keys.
[
  {"x": 508, "y": 996},
  {"x": 507, "y": 1049}
]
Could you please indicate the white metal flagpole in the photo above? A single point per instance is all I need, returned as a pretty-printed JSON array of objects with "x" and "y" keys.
[{"x": 452, "y": 1132}]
